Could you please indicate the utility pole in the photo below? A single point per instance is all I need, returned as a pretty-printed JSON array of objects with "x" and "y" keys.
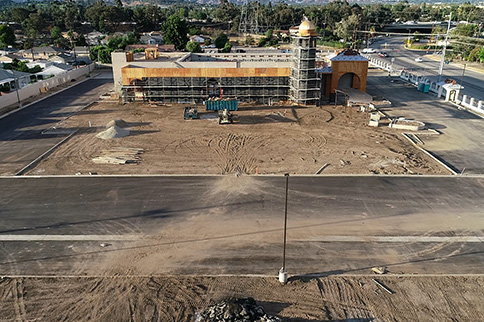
[
  {"x": 462, "y": 79},
  {"x": 283, "y": 271},
  {"x": 442, "y": 57}
]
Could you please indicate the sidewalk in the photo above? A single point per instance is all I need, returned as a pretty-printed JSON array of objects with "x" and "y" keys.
[
  {"x": 32, "y": 99},
  {"x": 474, "y": 66}
]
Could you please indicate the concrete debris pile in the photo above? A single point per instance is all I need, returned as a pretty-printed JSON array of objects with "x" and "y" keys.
[
  {"x": 235, "y": 310},
  {"x": 119, "y": 156}
]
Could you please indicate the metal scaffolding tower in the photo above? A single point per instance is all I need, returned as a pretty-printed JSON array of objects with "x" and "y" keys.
[{"x": 304, "y": 83}]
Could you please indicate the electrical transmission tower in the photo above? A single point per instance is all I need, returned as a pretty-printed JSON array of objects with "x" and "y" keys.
[{"x": 248, "y": 19}]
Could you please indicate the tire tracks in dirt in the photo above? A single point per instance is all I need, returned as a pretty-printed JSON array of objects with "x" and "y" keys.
[{"x": 18, "y": 299}]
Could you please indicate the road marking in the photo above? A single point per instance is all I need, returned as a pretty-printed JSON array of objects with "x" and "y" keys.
[
  {"x": 6, "y": 238},
  {"x": 399, "y": 239}
]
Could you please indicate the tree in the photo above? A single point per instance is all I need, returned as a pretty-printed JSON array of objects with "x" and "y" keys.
[
  {"x": 7, "y": 36},
  {"x": 148, "y": 17},
  {"x": 101, "y": 53},
  {"x": 56, "y": 33},
  {"x": 481, "y": 55},
  {"x": 226, "y": 11},
  {"x": 194, "y": 47},
  {"x": 175, "y": 32},
  {"x": 249, "y": 40},
  {"x": 474, "y": 54},
  {"x": 221, "y": 40},
  {"x": 345, "y": 29},
  {"x": 269, "y": 33},
  {"x": 227, "y": 48}
]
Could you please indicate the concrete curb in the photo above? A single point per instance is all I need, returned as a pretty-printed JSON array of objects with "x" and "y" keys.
[
  {"x": 342, "y": 275},
  {"x": 407, "y": 176},
  {"x": 43, "y": 155},
  {"x": 430, "y": 155},
  {"x": 45, "y": 97}
]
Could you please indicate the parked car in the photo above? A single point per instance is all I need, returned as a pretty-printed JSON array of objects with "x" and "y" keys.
[
  {"x": 419, "y": 59},
  {"x": 383, "y": 54},
  {"x": 368, "y": 50}
]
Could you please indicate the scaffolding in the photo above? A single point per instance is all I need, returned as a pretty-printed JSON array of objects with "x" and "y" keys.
[
  {"x": 304, "y": 84},
  {"x": 194, "y": 90}
]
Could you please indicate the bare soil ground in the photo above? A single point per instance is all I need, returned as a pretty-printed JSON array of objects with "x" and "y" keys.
[
  {"x": 265, "y": 140},
  {"x": 334, "y": 298}
]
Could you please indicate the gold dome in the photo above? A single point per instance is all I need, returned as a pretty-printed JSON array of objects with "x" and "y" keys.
[{"x": 307, "y": 28}]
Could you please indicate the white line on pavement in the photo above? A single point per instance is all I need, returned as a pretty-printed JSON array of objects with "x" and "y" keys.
[
  {"x": 5, "y": 238},
  {"x": 399, "y": 239}
]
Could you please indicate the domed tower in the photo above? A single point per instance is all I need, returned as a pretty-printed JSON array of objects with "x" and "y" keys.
[{"x": 303, "y": 82}]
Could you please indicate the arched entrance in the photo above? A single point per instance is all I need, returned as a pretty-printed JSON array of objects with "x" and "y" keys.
[{"x": 349, "y": 80}]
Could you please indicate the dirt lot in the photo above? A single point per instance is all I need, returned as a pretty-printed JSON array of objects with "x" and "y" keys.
[
  {"x": 265, "y": 140},
  {"x": 179, "y": 298}
]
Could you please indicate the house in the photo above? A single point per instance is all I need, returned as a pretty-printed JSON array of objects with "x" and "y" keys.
[
  {"x": 53, "y": 70},
  {"x": 151, "y": 39},
  {"x": 81, "y": 51},
  {"x": 81, "y": 55},
  {"x": 41, "y": 63},
  {"x": 62, "y": 59},
  {"x": 8, "y": 51},
  {"x": 9, "y": 78},
  {"x": 94, "y": 38},
  {"x": 7, "y": 59},
  {"x": 40, "y": 52},
  {"x": 199, "y": 38}
]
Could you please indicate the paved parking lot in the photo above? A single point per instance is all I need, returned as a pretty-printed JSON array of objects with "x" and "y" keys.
[{"x": 462, "y": 133}]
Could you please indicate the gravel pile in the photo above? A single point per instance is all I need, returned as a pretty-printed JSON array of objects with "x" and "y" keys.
[
  {"x": 117, "y": 122},
  {"x": 235, "y": 310},
  {"x": 113, "y": 133}
]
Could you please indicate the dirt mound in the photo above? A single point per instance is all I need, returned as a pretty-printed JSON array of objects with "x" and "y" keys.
[
  {"x": 113, "y": 132},
  {"x": 117, "y": 122}
]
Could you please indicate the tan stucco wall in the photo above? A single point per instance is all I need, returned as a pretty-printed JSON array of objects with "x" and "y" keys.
[{"x": 340, "y": 68}]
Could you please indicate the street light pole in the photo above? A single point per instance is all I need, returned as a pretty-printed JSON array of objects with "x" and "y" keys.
[
  {"x": 283, "y": 271},
  {"x": 462, "y": 79},
  {"x": 17, "y": 85},
  {"x": 442, "y": 57}
]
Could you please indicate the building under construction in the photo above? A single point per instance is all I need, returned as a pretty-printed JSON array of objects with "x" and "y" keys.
[{"x": 264, "y": 78}]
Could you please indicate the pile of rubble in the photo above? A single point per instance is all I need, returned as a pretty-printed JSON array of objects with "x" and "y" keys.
[{"x": 235, "y": 310}]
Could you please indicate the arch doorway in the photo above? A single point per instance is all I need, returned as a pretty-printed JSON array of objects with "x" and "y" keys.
[{"x": 349, "y": 80}]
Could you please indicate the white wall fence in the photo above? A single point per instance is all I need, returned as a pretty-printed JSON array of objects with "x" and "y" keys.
[
  {"x": 43, "y": 86},
  {"x": 451, "y": 93}
]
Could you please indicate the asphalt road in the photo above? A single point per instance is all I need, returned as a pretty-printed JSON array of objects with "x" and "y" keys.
[
  {"x": 462, "y": 133},
  {"x": 344, "y": 224},
  {"x": 473, "y": 81},
  {"x": 21, "y": 133}
]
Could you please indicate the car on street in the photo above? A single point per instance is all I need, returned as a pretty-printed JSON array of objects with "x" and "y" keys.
[
  {"x": 368, "y": 50},
  {"x": 419, "y": 59},
  {"x": 383, "y": 54}
]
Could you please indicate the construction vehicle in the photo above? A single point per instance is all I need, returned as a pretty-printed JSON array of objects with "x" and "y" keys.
[
  {"x": 190, "y": 113},
  {"x": 225, "y": 117}
]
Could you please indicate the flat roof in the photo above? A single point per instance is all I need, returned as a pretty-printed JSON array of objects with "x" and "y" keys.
[{"x": 356, "y": 96}]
